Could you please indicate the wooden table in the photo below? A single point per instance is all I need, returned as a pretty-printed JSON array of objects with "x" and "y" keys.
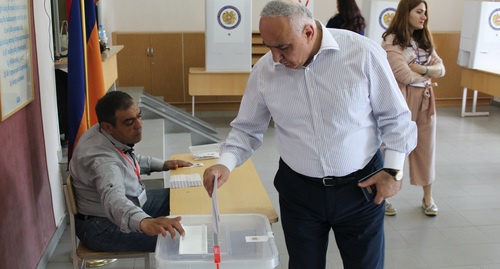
[
  {"x": 204, "y": 83},
  {"x": 242, "y": 193},
  {"x": 482, "y": 81}
]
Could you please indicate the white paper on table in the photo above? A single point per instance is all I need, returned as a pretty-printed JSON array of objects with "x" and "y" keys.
[
  {"x": 205, "y": 156},
  {"x": 215, "y": 208},
  {"x": 194, "y": 241},
  {"x": 185, "y": 180}
]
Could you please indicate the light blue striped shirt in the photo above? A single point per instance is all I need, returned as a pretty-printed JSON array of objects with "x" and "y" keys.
[{"x": 330, "y": 116}]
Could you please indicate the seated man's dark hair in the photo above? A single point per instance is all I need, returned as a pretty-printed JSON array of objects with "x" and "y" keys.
[{"x": 113, "y": 101}]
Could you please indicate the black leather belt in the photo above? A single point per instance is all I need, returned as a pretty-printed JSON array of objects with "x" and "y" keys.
[
  {"x": 83, "y": 217},
  {"x": 331, "y": 181}
]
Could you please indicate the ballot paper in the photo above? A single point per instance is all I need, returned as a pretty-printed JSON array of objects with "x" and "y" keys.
[
  {"x": 185, "y": 180},
  {"x": 204, "y": 152},
  {"x": 195, "y": 240},
  {"x": 206, "y": 155},
  {"x": 215, "y": 211}
]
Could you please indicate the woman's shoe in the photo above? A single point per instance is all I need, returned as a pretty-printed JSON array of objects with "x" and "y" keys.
[
  {"x": 430, "y": 210},
  {"x": 389, "y": 210}
]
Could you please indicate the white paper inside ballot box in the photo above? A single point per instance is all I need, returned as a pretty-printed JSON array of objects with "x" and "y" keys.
[{"x": 194, "y": 241}]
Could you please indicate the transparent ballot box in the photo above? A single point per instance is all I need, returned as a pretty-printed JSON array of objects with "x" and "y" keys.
[{"x": 246, "y": 241}]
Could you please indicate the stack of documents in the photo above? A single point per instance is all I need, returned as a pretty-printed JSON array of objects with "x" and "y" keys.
[
  {"x": 204, "y": 152},
  {"x": 186, "y": 180}
]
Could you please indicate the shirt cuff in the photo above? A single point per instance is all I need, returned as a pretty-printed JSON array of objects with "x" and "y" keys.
[
  {"x": 394, "y": 159},
  {"x": 228, "y": 160},
  {"x": 135, "y": 221},
  {"x": 156, "y": 165}
]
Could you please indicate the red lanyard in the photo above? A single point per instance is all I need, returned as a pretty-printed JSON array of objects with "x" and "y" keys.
[{"x": 135, "y": 165}]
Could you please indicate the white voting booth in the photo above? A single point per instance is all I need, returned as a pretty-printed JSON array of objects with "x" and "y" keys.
[
  {"x": 480, "y": 36},
  {"x": 378, "y": 16},
  {"x": 228, "y": 34},
  {"x": 479, "y": 43}
]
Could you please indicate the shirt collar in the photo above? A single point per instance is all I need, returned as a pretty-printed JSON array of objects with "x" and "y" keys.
[
  {"x": 327, "y": 42},
  {"x": 124, "y": 147}
]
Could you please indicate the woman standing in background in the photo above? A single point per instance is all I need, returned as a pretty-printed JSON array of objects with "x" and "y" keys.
[
  {"x": 348, "y": 17},
  {"x": 414, "y": 61}
]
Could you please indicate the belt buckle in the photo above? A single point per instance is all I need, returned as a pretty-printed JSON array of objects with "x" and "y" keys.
[{"x": 328, "y": 181}]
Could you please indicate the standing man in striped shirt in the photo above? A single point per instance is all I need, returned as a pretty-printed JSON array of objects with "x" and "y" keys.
[{"x": 333, "y": 99}]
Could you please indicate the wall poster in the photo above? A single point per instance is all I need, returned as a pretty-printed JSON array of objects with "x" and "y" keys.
[{"x": 16, "y": 87}]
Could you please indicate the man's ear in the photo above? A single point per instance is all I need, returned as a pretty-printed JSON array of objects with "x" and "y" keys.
[
  {"x": 107, "y": 127},
  {"x": 309, "y": 32}
]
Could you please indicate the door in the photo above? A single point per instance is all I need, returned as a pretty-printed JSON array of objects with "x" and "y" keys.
[
  {"x": 134, "y": 62},
  {"x": 166, "y": 67}
]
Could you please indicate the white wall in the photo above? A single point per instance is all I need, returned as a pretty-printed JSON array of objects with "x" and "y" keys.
[
  {"x": 183, "y": 16},
  {"x": 44, "y": 49},
  {"x": 189, "y": 15},
  {"x": 445, "y": 15}
]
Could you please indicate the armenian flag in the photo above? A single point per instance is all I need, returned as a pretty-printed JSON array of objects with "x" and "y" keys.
[{"x": 85, "y": 78}]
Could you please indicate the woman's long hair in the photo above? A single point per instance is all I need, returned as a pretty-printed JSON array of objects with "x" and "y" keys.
[
  {"x": 400, "y": 27},
  {"x": 351, "y": 15}
]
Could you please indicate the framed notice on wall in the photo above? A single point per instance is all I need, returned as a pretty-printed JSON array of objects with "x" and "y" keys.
[{"x": 16, "y": 87}]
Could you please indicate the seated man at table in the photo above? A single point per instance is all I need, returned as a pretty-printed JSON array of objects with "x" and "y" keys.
[{"x": 116, "y": 212}]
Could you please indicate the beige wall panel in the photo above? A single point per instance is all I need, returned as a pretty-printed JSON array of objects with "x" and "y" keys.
[
  {"x": 166, "y": 66},
  {"x": 194, "y": 56}
]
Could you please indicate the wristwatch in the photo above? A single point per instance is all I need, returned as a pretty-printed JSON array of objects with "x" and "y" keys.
[{"x": 397, "y": 174}]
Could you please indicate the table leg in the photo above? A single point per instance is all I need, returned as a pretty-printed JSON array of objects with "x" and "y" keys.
[
  {"x": 464, "y": 101},
  {"x": 474, "y": 105},
  {"x": 192, "y": 105}
]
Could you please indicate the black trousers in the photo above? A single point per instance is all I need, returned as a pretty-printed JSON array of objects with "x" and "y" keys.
[{"x": 309, "y": 211}]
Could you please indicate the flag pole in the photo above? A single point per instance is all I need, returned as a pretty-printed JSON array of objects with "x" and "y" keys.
[{"x": 85, "y": 64}]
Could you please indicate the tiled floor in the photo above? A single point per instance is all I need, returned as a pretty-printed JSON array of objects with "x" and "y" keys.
[{"x": 465, "y": 234}]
